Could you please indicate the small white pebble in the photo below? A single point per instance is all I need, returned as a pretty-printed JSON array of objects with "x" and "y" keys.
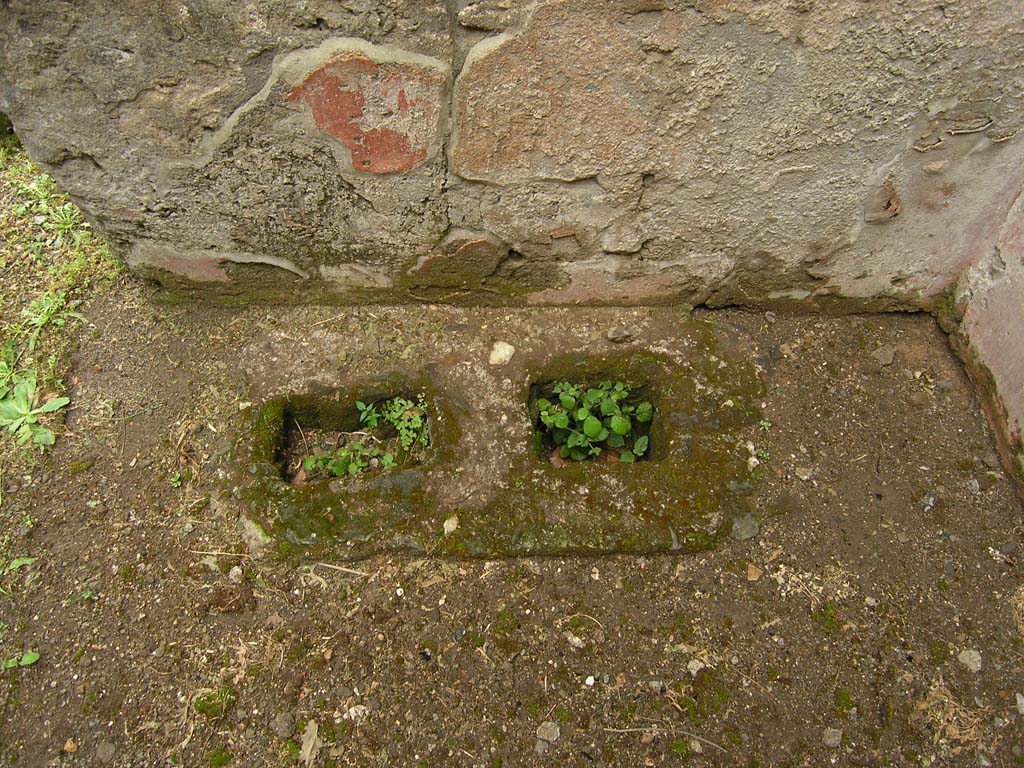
[
  {"x": 501, "y": 353},
  {"x": 357, "y": 713}
]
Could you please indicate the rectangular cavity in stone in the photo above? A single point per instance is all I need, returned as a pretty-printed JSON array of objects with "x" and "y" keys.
[{"x": 601, "y": 420}]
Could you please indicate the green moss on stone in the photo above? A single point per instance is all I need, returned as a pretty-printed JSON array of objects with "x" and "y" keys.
[{"x": 682, "y": 500}]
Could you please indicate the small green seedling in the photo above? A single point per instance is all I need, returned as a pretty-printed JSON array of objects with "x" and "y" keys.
[
  {"x": 408, "y": 419},
  {"x": 11, "y": 567},
  {"x": 348, "y": 462},
  {"x": 22, "y": 419},
  {"x": 368, "y": 414},
  {"x": 63, "y": 222},
  {"x": 583, "y": 422},
  {"x": 396, "y": 429},
  {"x": 26, "y": 659},
  {"x": 49, "y": 309},
  {"x": 15, "y": 564},
  {"x": 9, "y": 358}
]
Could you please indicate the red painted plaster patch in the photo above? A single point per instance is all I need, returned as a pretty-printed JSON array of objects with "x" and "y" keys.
[
  {"x": 385, "y": 113},
  {"x": 199, "y": 270}
]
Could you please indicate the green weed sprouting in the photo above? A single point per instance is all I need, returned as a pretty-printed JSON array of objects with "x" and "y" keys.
[
  {"x": 48, "y": 251},
  {"x": 582, "y": 422},
  {"x": 20, "y": 416},
  {"x": 395, "y": 431}
]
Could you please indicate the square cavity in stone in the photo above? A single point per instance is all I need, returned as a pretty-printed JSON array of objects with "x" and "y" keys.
[
  {"x": 597, "y": 419},
  {"x": 340, "y": 437}
]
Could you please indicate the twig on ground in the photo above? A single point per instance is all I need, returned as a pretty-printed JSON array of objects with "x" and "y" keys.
[
  {"x": 580, "y": 616},
  {"x": 343, "y": 569}
]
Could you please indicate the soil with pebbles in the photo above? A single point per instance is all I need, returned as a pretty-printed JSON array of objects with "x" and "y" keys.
[{"x": 889, "y": 545}]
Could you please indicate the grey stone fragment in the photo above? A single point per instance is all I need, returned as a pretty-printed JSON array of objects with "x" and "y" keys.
[
  {"x": 745, "y": 527},
  {"x": 619, "y": 335},
  {"x": 283, "y": 725},
  {"x": 105, "y": 752},
  {"x": 255, "y": 538},
  {"x": 970, "y": 658},
  {"x": 832, "y": 738},
  {"x": 548, "y": 731},
  {"x": 885, "y": 354},
  {"x": 501, "y": 353}
]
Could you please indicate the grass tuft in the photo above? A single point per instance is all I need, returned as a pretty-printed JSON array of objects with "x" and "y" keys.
[{"x": 50, "y": 260}]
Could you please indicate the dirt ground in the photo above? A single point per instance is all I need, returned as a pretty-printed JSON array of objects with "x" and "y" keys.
[{"x": 872, "y": 613}]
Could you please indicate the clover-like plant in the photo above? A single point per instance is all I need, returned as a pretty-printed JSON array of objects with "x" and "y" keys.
[
  {"x": 583, "y": 422},
  {"x": 408, "y": 419},
  {"x": 350, "y": 461},
  {"x": 395, "y": 430}
]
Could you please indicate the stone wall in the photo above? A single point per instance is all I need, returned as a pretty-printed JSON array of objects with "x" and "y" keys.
[
  {"x": 990, "y": 333},
  {"x": 838, "y": 153}
]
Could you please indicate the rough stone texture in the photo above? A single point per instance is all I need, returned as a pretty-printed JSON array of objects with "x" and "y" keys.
[
  {"x": 991, "y": 334},
  {"x": 613, "y": 151},
  {"x": 824, "y": 152},
  {"x": 198, "y": 136},
  {"x": 740, "y": 152},
  {"x": 463, "y": 260}
]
